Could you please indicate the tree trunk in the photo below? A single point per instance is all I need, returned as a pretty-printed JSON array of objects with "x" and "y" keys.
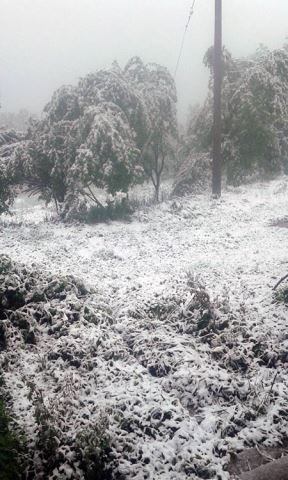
[
  {"x": 56, "y": 204},
  {"x": 157, "y": 189}
]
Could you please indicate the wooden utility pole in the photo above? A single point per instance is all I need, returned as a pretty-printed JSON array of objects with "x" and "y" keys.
[{"x": 217, "y": 131}]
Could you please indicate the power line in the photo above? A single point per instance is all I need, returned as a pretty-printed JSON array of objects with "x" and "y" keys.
[{"x": 184, "y": 36}]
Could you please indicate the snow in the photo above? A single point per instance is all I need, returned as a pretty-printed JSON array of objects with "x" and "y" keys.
[
  {"x": 181, "y": 417},
  {"x": 228, "y": 243}
]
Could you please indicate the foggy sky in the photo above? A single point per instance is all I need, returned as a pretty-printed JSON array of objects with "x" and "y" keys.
[{"x": 47, "y": 43}]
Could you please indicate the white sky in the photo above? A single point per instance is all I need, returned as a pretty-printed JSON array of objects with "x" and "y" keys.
[{"x": 46, "y": 43}]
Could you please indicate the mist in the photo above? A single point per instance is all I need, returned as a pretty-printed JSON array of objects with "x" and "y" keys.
[{"x": 48, "y": 43}]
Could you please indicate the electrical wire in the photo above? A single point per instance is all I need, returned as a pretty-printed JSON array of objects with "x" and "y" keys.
[{"x": 184, "y": 36}]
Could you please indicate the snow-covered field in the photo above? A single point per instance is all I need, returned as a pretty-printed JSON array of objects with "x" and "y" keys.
[
  {"x": 179, "y": 397},
  {"x": 227, "y": 243}
]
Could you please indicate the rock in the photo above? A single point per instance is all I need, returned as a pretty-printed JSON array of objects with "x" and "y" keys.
[{"x": 276, "y": 470}]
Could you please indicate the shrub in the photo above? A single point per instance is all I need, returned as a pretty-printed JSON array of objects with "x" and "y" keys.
[
  {"x": 193, "y": 175},
  {"x": 10, "y": 447},
  {"x": 112, "y": 211},
  {"x": 281, "y": 295},
  {"x": 94, "y": 445},
  {"x": 32, "y": 306}
]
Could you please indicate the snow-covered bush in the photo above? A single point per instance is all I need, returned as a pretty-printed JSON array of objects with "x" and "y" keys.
[
  {"x": 281, "y": 295},
  {"x": 194, "y": 174},
  {"x": 166, "y": 385},
  {"x": 10, "y": 447},
  {"x": 34, "y": 306},
  {"x": 116, "y": 209},
  {"x": 75, "y": 208}
]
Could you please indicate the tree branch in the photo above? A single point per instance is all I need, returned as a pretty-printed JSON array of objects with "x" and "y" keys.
[
  {"x": 280, "y": 281},
  {"x": 153, "y": 180},
  {"x": 92, "y": 197}
]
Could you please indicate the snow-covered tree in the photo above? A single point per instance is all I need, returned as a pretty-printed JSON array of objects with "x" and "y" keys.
[
  {"x": 108, "y": 156},
  {"x": 6, "y": 193},
  {"x": 48, "y": 157},
  {"x": 255, "y": 114},
  {"x": 158, "y": 136},
  {"x": 106, "y": 132},
  {"x": 10, "y": 174}
]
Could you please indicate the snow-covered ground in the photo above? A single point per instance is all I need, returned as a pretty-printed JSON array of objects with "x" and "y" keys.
[
  {"x": 207, "y": 398},
  {"x": 228, "y": 243}
]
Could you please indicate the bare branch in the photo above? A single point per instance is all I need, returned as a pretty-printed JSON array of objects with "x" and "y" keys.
[{"x": 280, "y": 281}]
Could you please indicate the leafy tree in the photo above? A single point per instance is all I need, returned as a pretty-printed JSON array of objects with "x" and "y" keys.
[
  {"x": 50, "y": 149},
  {"x": 6, "y": 195},
  {"x": 107, "y": 157},
  {"x": 255, "y": 114},
  {"x": 48, "y": 156},
  {"x": 9, "y": 173},
  {"x": 158, "y": 136},
  {"x": 105, "y": 132}
]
